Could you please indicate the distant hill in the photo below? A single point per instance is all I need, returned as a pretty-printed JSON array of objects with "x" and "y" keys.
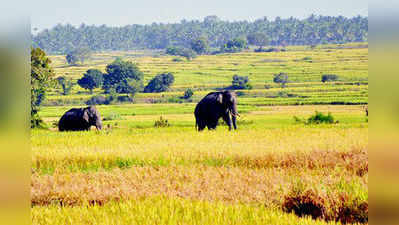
[{"x": 310, "y": 31}]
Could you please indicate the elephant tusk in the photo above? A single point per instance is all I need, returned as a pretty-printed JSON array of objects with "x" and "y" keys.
[{"x": 237, "y": 114}]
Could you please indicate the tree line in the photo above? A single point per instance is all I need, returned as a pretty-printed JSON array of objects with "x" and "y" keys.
[{"x": 313, "y": 30}]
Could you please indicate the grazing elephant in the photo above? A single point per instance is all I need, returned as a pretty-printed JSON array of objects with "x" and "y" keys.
[
  {"x": 213, "y": 106},
  {"x": 80, "y": 119}
]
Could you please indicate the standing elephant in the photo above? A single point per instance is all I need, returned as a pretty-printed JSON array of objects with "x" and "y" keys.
[
  {"x": 213, "y": 106},
  {"x": 80, "y": 119}
]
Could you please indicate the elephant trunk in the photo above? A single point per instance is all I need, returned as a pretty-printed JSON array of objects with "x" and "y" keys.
[
  {"x": 234, "y": 115},
  {"x": 99, "y": 125}
]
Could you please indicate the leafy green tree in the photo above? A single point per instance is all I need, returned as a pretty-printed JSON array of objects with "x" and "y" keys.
[
  {"x": 258, "y": 39},
  {"x": 281, "y": 78},
  {"x": 241, "y": 82},
  {"x": 42, "y": 76},
  {"x": 200, "y": 45},
  {"x": 123, "y": 77},
  {"x": 66, "y": 84},
  {"x": 160, "y": 83},
  {"x": 313, "y": 30},
  {"x": 93, "y": 78},
  {"x": 78, "y": 54}
]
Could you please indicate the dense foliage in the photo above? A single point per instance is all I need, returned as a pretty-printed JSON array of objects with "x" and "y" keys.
[
  {"x": 329, "y": 77},
  {"x": 234, "y": 45},
  {"x": 281, "y": 78},
  {"x": 93, "y": 78},
  {"x": 160, "y": 83},
  {"x": 291, "y": 31},
  {"x": 41, "y": 79},
  {"x": 241, "y": 82},
  {"x": 200, "y": 46},
  {"x": 180, "y": 51},
  {"x": 66, "y": 84},
  {"x": 188, "y": 93},
  {"x": 258, "y": 39},
  {"x": 80, "y": 54},
  {"x": 123, "y": 77}
]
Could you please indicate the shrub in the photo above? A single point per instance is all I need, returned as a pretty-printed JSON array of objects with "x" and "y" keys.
[
  {"x": 124, "y": 98},
  {"x": 200, "y": 45},
  {"x": 241, "y": 82},
  {"x": 235, "y": 45},
  {"x": 268, "y": 86},
  {"x": 98, "y": 100},
  {"x": 319, "y": 117},
  {"x": 269, "y": 50},
  {"x": 240, "y": 93},
  {"x": 175, "y": 100},
  {"x": 66, "y": 84},
  {"x": 112, "y": 116},
  {"x": 161, "y": 122},
  {"x": 281, "y": 78},
  {"x": 304, "y": 203},
  {"x": 177, "y": 60},
  {"x": 179, "y": 51},
  {"x": 188, "y": 94},
  {"x": 160, "y": 83},
  {"x": 329, "y": 77},
  {"x": 78, "y": 54}
]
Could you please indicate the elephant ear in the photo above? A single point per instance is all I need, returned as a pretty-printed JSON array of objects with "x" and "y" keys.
[
  {"x": 219, "y": 98},
  {"x": 86, "y": 115}
]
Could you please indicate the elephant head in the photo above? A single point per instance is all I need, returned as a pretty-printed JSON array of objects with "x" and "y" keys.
[
  {"x": 92, "y": 116},
  {"x": 229, "y": 100}
]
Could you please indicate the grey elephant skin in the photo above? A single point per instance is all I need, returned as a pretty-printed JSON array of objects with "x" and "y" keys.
[
  {"x": 214, "y": 106},
  {"x": 78, "y": 119}
]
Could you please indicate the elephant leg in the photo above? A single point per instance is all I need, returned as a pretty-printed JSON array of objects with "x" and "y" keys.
[
  {"x": 201, "y": 125},
  {"x": 227, "y": 119},
  {"x": 212, "y": 124}
]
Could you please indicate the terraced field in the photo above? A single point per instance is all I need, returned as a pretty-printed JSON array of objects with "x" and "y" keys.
[{"x": 272, "y": 170}]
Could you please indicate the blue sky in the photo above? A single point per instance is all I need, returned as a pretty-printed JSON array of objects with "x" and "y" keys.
[{"x": 47, "y": 13}]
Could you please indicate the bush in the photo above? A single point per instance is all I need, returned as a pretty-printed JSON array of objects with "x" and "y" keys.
[
  {"x": 175, "y": 100},
  {"x": 112, "y": 116},
  {"x": 188, "y": 94},
  {"x": 161, "y": 122},
  {"x": 304, "y": 203},
  {"x": 235, "y": 45},
  {"x": 79, "y": 54},
  {"x": 281, "y": 78},
  {"x": 268, "y": 86},
  {"x": 179, "y": 51},
  {"x": 241, "y": 82},
  {"x": 269, "y": 50},
  {"x": 319, "y": 118},
  {"x": 160, "y": 83},
  {"x": 98, "y": 100},
  {"x": 329, "y": 77},
  {"x": 66, "y": 84},
  {"x": 177, "y": 60},
  {"x": 124, "y": 98}
]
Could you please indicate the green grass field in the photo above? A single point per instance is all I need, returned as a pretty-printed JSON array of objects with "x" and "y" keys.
[{"x": 268, "y": 170}]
